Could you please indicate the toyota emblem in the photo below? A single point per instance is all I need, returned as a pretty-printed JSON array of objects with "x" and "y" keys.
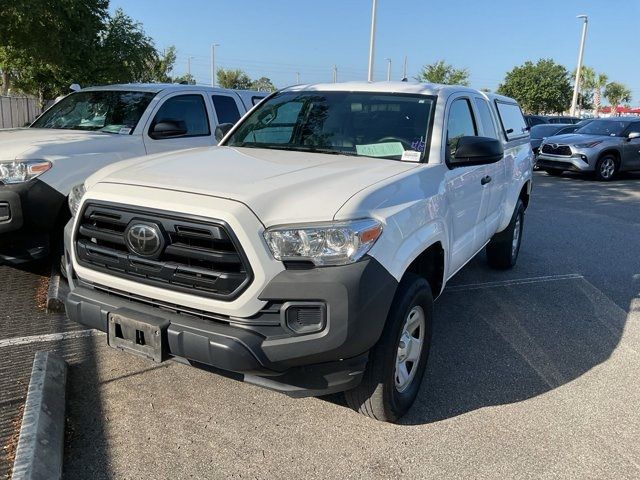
[{"x": 144, "y": 239}]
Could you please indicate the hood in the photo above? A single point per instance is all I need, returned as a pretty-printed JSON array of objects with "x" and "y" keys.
[
  {"x": 279, "y": 186},
  {"x": 575, "y": 138},
  {"x": 50, "y": 143}
]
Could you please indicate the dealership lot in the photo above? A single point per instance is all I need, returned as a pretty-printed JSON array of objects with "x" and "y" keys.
[{"x": 533, "y": 374}]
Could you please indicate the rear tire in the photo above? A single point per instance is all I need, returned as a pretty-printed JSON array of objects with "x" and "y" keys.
[
  {"x": 606, "y": 168},
  {"x": 397, "y": 362},
  {"x": 504, "y": 247}
]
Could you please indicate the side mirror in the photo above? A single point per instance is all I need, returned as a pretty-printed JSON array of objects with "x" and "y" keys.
[
  {"x": 222, "y": 130},
  {"x": 633, "y": 135},
  {"x": 477, "y": 151},
  {"x": 168, "y": 129}
]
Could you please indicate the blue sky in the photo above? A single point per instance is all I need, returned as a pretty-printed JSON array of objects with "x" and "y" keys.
[{"x": 278, "y": 38}]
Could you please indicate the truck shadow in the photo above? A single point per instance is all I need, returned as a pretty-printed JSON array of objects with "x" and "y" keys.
[{"x": 500, "y": 345}]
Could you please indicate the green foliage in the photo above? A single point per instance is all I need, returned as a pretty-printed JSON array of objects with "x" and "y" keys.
[
  {"x": 263, "y": 84},
  {"x": 235, "y": 79},
  {"x": 543, "y": 87},
  {"x": 443, "y": 73},
  {"x": 617, "y": 94}
]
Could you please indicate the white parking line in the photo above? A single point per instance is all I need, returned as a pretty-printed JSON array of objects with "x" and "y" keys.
[
  {"x": 50, "y": 337},
  {"x": 517, "y": 281}
]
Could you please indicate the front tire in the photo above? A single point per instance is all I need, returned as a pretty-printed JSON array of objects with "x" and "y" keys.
[
  {"x": 606, "y": 168},
  {"x": 504, "y": 247},
  {"x": 554, "y": 173},
  {"x": 397, "y": 362}
]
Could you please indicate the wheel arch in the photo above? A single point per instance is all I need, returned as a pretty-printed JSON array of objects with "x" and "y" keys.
[
  {"x": 611, "y": 151},
  {"x": 429, "y": 264}
]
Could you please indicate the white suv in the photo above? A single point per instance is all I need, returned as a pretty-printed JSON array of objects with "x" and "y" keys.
[
  {"x": 303, "y": 254},
  {"x": 87, "y": 130}
]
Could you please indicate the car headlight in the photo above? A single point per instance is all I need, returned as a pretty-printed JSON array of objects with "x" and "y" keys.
[
  {"x": 19, "y": 171},
  {"x": 334, "y": 243},
  {"x": 588, "y": 144},
  {"x": 75, "y": 197}
]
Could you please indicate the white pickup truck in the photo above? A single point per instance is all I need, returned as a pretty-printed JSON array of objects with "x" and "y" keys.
[
  {"x": 304, "y": 253},
  {"x": 84, "y": 132}
]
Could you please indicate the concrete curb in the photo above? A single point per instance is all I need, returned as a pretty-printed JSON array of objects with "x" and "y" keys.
[
  {"x": 41, "y": 442},
  {"x": 58, "y": 289}
]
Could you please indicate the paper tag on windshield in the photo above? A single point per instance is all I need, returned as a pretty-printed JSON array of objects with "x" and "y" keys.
[
  {"x": 411, "y": 156},
  {"x": 124, "y": 131},
  {"x": 389, "y": 149}
]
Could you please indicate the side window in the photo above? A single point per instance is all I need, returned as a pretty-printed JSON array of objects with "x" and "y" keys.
[
  {"x": 513, "y": 124},
  {"x": 486, "y": 120},
  {"x": 634, "y": 128},
  {"x": 188, "y": 111},
  {"x": 226, "y": 108},
  {"x": 256, "y": 99},
  {"x": 459, "y": 124}
]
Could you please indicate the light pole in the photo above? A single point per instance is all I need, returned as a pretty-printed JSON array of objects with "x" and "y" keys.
[
  {"x": 335, "y": 74},
  {"x": 189, "y": 65},
  {"x": 404, "y": 70},
  {"x": 372, "y": 39},
  {"x": 388, "y": 69},
  {"x": 576, "y": 87},
  {"x": 297, "y": 78},
  {"x": 213, "y": 63}
]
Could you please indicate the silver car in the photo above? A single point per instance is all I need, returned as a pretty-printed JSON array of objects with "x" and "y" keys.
[{"x": 603, "y": 147}]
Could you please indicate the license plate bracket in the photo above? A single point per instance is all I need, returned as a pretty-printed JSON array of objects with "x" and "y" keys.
[{"x": 138, "y": 333}]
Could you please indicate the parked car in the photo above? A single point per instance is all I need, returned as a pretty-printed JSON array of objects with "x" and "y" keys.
[
  {"x": 538, "y": 133},
  {"x": 87, "y": 130},
  {"x": 533, "y": 120},
  {"x": 603, "y": 147},
  {"x": 304, "y": 253}
]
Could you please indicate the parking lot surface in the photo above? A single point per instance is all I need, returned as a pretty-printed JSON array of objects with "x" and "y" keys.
[{"x": 533, "y": 373}]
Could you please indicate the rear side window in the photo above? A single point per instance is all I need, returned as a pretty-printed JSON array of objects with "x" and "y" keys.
[
  {"x": 459, "y": 124},
  {"x": 486, "y": 120},
  {"x": 226, "y": 108},
  {"x": 188, "y": 111},
  {"x": 513, "y": 124}
]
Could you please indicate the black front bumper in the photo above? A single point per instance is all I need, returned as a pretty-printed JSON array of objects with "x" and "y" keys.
[
  {"x": 28, "y": 213},
  {"x": 261, "y": 349}
]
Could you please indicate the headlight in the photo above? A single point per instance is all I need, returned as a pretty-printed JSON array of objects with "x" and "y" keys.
[
  {"x": 335, "y": 243},
  {"x": 588, "y": 144},
  {"x": 75, "y": 197},
  {"x": 22, "y": 170}
]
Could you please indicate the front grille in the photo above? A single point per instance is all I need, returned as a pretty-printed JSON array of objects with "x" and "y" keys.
[
  {"x": 563, "y": 150},
  {"x": 197, "y": 256}
]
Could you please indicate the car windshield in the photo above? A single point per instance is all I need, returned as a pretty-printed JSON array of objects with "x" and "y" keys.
[
  {"x": 613, "y": 128},
  {"x": 99, "y": 110},
  {"x": 542, "y": 131},
  {"x": 385, "y": 125}
]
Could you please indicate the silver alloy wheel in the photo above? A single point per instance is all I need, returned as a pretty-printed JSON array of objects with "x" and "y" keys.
[
  {"x": 607, "y": 168},
  {"x": 410, "y": 348},
  {"x": 515, "y": 242}
]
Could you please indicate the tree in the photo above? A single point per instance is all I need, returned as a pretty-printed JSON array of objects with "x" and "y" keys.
[
  {"x": 443, "y": 73},
  {"x": 235, "y": 79},
  {"x": 125, "y": 51},
  {"x": 263, "y": 84},
  {"x": 540, "y": 87},
  {"x": 617, "y": 94},
  {"x": 599, "y": 83},
  {"x": 186, "y": 79},
  {"x": 159, "y": 67},
  {"x": 587, "y": 87}
]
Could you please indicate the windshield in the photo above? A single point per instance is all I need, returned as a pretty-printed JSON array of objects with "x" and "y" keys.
[
  {"x": 613, "y": 128},
  {"x": 105, "y": 111},
  {"x": 392, "y": 126},
  {"x": 542, "y": 131}
]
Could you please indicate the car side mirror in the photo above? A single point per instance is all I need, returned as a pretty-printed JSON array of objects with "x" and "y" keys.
[
  {"x": 633, "y": 135},
  {"x": 168, "y": 129},
  {"x": 477, "y": 151},
  {"x": 222, "y": 130}
]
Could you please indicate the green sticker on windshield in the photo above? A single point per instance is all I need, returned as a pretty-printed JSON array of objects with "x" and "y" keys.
[{"x": 389, "y": 149}]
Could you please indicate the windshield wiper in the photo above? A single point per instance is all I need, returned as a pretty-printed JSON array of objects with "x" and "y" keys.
[{"x": 295, "y": 148}]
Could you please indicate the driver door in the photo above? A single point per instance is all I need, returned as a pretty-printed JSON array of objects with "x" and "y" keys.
[{"x": 631, "y": 149}]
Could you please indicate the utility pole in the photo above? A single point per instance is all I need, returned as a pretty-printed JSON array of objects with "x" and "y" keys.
[
  {"x": 404, "y": 69},
  {"x": 335, "y": 74},
  {"x": 213, "y": 63},
  {"x": 388, "y": 69},
  {"x": 372, "y": 39},
  {"x": 576, "y": 86}
]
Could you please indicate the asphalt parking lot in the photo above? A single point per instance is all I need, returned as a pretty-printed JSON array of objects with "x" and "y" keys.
[{"x": 533, "y": 373}]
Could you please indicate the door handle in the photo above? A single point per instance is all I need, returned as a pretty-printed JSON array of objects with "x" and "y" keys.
[{"x": 485, "y": 180}]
